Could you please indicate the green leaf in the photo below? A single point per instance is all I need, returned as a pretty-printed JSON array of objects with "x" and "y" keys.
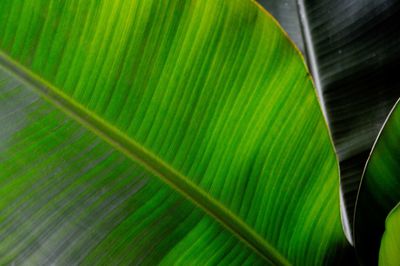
[
  {"x": 379, "y": 190},
  {"x": 69, "y": 197},
  {"x": 389, "y": 253},
  {"x": 208, "y": 96}
]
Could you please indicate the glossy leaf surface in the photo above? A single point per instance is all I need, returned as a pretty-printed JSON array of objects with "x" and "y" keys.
[
  {"x": 389, "y": 253},
  {"x": 379, "y": 191},
  {"x": 209, "y": 96}
]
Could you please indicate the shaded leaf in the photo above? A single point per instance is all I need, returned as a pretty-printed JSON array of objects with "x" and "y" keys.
[
  {"x": 353, "y": 49},
  {"x": 379, "y": 190}
]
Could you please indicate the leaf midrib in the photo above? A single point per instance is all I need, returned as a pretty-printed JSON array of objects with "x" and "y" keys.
[{"x": 139, "y": 154}]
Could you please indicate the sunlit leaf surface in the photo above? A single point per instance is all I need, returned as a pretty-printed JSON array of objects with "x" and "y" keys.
[
  {"x": 69, "y": 197},
  {"x": 173, "y": 131},
  {"x": 389, "y": 253}
]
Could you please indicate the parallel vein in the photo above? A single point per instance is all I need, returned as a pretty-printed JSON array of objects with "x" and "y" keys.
[
  {"x": 209, "y": 94},
  {"x": 139, "y": 154}
]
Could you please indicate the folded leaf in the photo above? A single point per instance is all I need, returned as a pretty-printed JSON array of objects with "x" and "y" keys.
[
  {"x": 379, "y": 190},
  {"x": 209, "y": 96},
  {"x": 389, "y": 253}
]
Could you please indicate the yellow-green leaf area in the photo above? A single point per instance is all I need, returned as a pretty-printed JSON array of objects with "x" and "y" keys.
[
  {"x": 389, "y": 253},
  {"x": 211, "y": 96}
]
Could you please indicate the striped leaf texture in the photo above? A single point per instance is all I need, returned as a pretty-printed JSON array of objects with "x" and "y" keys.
[
  {"x": 69, "y": 197},
  {"x": 352, "y": 49},
  {"x": 160, "y": 132},
  {"x": 389, "y": 253},
  {"x": 379, "y": 190}
]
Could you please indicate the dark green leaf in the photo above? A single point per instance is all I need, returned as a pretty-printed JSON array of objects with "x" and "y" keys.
[{"x": 379, "y": 190}]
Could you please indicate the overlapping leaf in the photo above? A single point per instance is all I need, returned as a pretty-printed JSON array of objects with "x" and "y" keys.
[
  {"x": 379, "y": 191},
  {"x": 354, "y": 49},
  {"x": 209, "y": 96}
]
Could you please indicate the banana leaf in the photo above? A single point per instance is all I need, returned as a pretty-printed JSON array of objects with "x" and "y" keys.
[
  {"x": 160, "y": 132},
  {"x": 379, "y": 190},
  {"x": 389, "y": 253},
  {"x": 69, "y": 197}
]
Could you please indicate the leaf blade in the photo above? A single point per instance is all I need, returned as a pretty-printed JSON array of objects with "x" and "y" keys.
[
  {"x": 150, "y": 89},
  {"x": 67, "y": 196},
  {"x": 139, "y": 154},
  {"x": 389, "y": 250}
]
